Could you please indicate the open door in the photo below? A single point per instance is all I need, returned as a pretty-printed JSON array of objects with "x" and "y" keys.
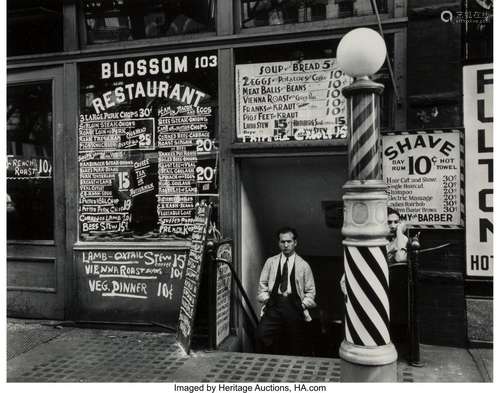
[{"x": 35, "y": 195}]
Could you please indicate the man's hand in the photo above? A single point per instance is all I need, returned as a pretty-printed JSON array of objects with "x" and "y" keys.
[{"x": 401, "y": 229}]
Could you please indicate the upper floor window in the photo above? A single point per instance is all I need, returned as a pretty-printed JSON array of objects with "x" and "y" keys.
[
  {"x": 34, "y": 26},
  {"x": 278, "y": 12},
  {"x": 122, "y": 20}
]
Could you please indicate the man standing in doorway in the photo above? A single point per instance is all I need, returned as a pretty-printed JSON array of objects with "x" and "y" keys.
[{"x": 287, "y": 291}]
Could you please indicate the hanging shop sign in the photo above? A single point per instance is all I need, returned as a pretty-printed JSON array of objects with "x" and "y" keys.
[
  {"x": 290, "y": 101},
  {"x": 478, "y": 121},
  {"x": 148, "y": 149},
  {"x": 422, "y": 171}
]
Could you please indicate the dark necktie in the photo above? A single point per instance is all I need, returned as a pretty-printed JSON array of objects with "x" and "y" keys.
[{"x": 284, "y": 278}]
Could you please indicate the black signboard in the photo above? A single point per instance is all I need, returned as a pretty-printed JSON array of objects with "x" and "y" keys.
[
  {"x": 130, "y": 284},
  {"x": 194, "y": 264}
]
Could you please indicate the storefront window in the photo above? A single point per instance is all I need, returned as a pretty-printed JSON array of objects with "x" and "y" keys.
[
  {"x": 148, "y": 149},
  {"x": 34, "y": 26},
  {"x": 30, "y": 205},
  {"x": 278, "y": 12},
  {"x": 123, "y": 20}
]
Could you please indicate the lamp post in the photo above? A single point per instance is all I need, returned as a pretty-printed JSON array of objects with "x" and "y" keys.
[{"x": 366, "y": 353}]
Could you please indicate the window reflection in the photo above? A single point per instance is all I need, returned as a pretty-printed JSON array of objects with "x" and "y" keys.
[
  {"x": 30, "y": 206},
  {"x": 122, "y": 20},
  {"x": 278, "y": 12}
]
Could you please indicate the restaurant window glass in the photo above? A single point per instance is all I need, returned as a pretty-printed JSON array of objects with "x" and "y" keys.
[
  {"x": 30, "y": 205},
  {"x": 34, "y": 26},
  {"x": 148, "y": 150},
  {"x": 278, "y": 12},
  {"x": 123, "y": 20}
]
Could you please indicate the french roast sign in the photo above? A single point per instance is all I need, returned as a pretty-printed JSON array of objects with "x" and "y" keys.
[
  {"x": 422, "y": 172},
  {"x": 478, "y": 122}
]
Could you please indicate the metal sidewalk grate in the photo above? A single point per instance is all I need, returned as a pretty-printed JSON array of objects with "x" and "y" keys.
[
  {"x": 111, "y": 358},
  {"x": 21, "y": 339},
  {"x": 244, "y": 367}
]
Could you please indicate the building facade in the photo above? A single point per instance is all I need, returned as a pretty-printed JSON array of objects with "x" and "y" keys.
[{"x": 123, "y": 115}]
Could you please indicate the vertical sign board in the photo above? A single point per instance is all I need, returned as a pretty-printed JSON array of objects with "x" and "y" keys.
[
  {"x": 422, "y": 172},
  {"x": 189, "y": 297},
  {"x": 478, "y": 121},
  {"x": 223, "y": 288}
]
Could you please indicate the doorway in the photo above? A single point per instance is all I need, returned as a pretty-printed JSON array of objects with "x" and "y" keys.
[
  {"x": 35, "y": 195},
  {"x": 304, "y": 192}
]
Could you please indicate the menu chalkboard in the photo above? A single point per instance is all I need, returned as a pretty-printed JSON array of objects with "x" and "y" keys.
[
  {"x": 194, "y": 264},
  {"x": 139, "y": 284},
  {"x": 148, "y": 150}
]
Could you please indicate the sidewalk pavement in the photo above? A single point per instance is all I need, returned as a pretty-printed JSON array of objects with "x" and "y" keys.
[{"x": 40, "y": 351}]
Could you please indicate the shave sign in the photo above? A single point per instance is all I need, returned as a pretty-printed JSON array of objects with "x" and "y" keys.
[{"x": 422, "y": 172}]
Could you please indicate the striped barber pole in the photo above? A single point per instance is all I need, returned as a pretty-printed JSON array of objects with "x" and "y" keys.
[
  {"x": 367, "y": 304},
  {"x": 365, "y": 152}
]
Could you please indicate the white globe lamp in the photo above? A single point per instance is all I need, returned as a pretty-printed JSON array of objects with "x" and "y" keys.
[{"x": 361, "y": 53}]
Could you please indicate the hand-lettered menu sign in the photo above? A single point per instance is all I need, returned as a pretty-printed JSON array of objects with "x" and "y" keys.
[
  {"x": 422, "y": 172},
  {"x": 29, "y": 168},
  {"x": 223, "y": 288},
  {"x": 147, "y": 146},
  {"x": 130, "y": 284},
  {"x": 290, "y": 101},
  {"x": 189, "y": 298}
]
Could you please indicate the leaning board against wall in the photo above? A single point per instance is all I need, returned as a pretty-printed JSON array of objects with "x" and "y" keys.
[{"x": 147, "y": 152}]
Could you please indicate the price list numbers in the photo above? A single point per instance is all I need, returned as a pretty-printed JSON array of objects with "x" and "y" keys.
[{"x": 450, "y": 198}]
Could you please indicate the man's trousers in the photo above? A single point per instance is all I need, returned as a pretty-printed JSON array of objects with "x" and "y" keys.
[{"x": 281, "y": 329}]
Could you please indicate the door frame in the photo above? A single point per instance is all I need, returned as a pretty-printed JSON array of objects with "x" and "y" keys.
[{"x": 46, "y": 301}]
